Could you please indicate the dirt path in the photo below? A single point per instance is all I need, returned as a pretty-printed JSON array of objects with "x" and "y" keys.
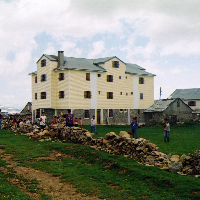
[{"x": 49, "y": 184}]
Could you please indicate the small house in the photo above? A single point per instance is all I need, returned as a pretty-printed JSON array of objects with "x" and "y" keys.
[{"x": 173, "y": 109}]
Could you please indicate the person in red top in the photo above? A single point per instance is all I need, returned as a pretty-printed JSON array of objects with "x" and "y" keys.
[
  {"x": 54, "y": 120},
  {"x": 76, "y": 122},
  {"x": 69, "y": 118}
]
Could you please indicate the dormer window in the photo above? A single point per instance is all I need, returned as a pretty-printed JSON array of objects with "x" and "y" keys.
[
  {"x": 115, "y": 64},
  {"x": 43, "y": 62}
]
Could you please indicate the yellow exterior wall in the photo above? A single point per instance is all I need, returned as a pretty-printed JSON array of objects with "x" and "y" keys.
[
  {"x": 78, "y": 85},
  {"x": 124, "y": 85},
  {"x": 54, "y": 81},
  {"x": 148, "y": 92},
  {"x": 34, "y": 90},
  {"x": 61, "y": 103},
  {"x": 75, "y": 83}
]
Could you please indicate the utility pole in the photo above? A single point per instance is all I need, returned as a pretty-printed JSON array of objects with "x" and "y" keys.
[{"x": 160, "y": 93}]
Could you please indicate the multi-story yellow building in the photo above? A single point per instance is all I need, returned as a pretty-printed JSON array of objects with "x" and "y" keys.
[{"x": 108, "y": 88}]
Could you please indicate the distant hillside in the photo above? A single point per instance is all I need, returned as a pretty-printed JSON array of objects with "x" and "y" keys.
[{"x": 9, "y": 110}]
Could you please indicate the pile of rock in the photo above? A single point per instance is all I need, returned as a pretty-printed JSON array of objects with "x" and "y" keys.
[{"x": 138, "y": 149}]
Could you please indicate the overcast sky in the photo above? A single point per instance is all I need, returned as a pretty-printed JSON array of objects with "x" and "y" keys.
[{"x": 162, "y": 36}]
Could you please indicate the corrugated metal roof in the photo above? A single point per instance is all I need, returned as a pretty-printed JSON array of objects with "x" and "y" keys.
[
  {"x": 192, "y": 93},
  {"x": 160, "y": 105}
]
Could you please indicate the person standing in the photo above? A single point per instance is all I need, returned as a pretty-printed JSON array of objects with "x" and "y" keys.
[
  {"x": 80, "y": 122},
  {"x": 43, "y": 121},
  {"x": 166, "y": 130},
  {"x": 93, "y": 125},
  {"x": 1, "y": 117},
  {"x": 28, "y": 122},
  {"x": 69, "y": 118},
  {"x": 134, "y": 126},
  {"x": 76, "y": 122}
]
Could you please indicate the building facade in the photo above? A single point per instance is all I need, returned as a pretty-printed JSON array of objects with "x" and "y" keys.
[
  {"x": 108, "y": 88},
  {"x": 175, "y": 110}
]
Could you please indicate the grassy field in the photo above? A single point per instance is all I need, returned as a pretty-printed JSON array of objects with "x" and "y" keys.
[
  {"x": 103, "y": 175},
  {"x": 184, "y": 138}
]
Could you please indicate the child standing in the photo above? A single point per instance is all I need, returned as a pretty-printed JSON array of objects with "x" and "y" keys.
[
  {"x": 134, "y": 126},
  {"x": 166, "y": 130},
  {"x": 80, "y": 122},
  {"x": 76, "y": 122}
]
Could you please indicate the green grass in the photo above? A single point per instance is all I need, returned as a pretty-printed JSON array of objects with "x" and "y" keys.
[
  {"x": 7, "y": 191},
  {"x": 112, "y": 176},
  {"x": 184, "y": 138}
]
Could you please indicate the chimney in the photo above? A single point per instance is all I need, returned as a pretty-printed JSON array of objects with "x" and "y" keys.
[{"x": 60, "y": 58}]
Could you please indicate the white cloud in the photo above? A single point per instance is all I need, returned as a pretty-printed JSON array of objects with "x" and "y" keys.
[
  {"x": 71, "y": 50},
  {"x": 96, "y": 28},
  {"x": 97, "y": 48}
]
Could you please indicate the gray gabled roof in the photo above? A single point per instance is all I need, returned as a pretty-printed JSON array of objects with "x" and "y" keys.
[
  {"x": 33, "y": 73},
  {"x": 193, "y": 93},
  {"x": 160, "y": 105},
  {"x": 103, "y": 60},
  {"x": 93, "y": 65},
  {"x": 50, "y": 57},
  {"x": 80, "y": 64},
  {"x": 137, "y": 70}
]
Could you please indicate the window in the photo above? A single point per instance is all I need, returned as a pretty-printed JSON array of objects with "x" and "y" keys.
[
  {"x": 99, "y": 75},
  {"x": 43, "y": 77},
  {"x": 99, "y": 92},
  {"x": 120, "y": 93},
  {"x": 87, "y": 76},
  {"x": 35, "y": 96},
  {"x": 43, "y": 62},
  {"x": 122, "y": 110},
  {"x": 141, "y": 95},
  {"x": 109, "y": 95},
  {"x": 61, "y": 76},
  {"x": 178, "y": 103},
  {"x": 126, "y": 77},
  {"x": 87, "y": 94},
  {"x": 109, "y": 78},
  {"x": 120, "y": 77},
  {"x": 61, "y": 94},
  {"x": 115, "y": 64},
  {"x": 127, "y": 94},
  {"x": 87, "y": 114},
  {"x": 131, "y": 93},
  {"x": 43, "y": 95},
  {"x": 36, "y": 79},
  {"x": 110, "y": 114},
  {"x": 141, "y": 80},
  {"x": 192, "y": 103}
]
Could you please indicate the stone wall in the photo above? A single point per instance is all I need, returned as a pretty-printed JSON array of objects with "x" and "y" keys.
[
  {"x": 119, "y": 117},
  {"x": 138, "y": 149}
]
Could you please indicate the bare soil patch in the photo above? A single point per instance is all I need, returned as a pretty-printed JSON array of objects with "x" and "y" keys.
[{"x": 49, "y": 184}]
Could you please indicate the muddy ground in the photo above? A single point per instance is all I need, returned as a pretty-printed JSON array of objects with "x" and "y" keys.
[{"x": 47, "y": 183}]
